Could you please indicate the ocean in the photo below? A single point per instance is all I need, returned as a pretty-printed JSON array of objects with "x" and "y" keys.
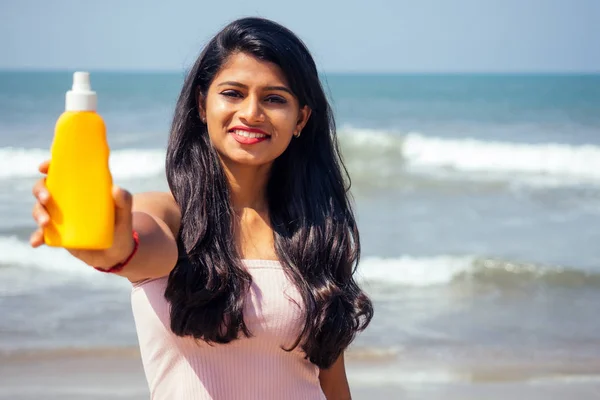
[{"x": 478, "y": 203}]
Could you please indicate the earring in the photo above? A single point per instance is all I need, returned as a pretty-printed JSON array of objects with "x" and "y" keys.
[{"x": 297, "y": 135}]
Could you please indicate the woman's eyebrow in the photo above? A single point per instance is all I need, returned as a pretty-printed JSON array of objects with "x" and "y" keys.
[{"x": 242, "y": 86}]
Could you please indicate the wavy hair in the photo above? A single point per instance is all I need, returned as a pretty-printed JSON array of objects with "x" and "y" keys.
[{"x": 315, "y": 232}]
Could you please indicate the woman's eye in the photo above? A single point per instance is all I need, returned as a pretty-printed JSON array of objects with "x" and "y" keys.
[
  {"x": 231, "y": 93},
  {"x": 276, "y": 99}
]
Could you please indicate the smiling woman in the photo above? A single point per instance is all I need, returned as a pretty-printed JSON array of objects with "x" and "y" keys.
[{"x": 243, "y": 273}]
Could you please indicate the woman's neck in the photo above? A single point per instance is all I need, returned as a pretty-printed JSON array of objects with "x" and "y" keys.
[{"x": 247, "y": 185}]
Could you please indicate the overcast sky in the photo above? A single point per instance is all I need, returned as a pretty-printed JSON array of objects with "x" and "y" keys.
[{"x": 344, "y": 35}]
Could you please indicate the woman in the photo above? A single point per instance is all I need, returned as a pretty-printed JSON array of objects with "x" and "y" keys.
[{"x": 243, "y": 273}]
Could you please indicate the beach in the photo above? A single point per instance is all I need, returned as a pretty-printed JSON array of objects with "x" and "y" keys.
[
  {"x": 478, "y": 202},
  {"x": 117, "y": 374}
]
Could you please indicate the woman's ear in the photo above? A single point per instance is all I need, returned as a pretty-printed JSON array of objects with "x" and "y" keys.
[
  {"x": 200, "y": 100},
  {"x": 303, "y": 117}
]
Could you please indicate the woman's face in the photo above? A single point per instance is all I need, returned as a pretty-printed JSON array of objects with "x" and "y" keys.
[{"x": 251, "y": 112}]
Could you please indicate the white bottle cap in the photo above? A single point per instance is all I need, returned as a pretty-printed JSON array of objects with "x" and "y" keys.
[{"x": 81, "y": 97}]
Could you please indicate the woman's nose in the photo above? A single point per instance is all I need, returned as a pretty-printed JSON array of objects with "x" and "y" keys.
[{"x": 251, "y": 110}]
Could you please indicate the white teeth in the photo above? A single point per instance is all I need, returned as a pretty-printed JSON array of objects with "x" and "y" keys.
[{"x": 249, "y": 134}]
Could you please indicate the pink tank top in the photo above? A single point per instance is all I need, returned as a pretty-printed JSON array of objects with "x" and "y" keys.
[{"x": 248, "y": 368}]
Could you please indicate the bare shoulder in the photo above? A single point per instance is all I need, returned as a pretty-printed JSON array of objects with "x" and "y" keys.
[{"x": 160, "y": 205}]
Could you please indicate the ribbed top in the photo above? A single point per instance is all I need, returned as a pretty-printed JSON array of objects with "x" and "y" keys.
[{"x": 247, "y": 368}]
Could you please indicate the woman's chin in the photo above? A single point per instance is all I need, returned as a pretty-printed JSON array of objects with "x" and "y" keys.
[{"x": 249, "y": 159}]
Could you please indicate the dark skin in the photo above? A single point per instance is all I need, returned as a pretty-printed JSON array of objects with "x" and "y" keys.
[{"x": 245, "y": 93}]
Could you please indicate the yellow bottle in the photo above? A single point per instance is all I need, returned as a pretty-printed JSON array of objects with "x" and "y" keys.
[{"x": 79, "y": 181}]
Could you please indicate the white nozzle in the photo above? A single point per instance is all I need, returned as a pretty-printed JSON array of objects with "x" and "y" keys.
[
  {"x": 81, "y": 81},
  {"x": 81, "y": 97}
]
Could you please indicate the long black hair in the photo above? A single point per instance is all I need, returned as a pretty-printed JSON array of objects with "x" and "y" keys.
[{"x": 315, "y": 232}]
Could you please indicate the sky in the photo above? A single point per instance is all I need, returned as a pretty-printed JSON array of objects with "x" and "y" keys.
[{"x": 343, "y": 35}]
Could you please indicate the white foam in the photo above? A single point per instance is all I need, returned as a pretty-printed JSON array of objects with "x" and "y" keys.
[
  {"x": 578, "y": 162},
  {"x": 18, "y": 163},
  {"x": 409, "y": 271},
  {"x": 406, "y": 270},
  {"x": 544, "y": 164},
  {"x": 124, "y": 164},
  {"x": 565, "y": 379},
  {"x": 414, "y": 271},
  {"x": 390, "y": 376},
  {"x": 18, "y": 253},
  {"x": 64, "y": 267}
]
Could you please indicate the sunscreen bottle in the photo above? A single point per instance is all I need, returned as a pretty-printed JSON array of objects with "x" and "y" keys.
[{"x": 81, "y": 206}]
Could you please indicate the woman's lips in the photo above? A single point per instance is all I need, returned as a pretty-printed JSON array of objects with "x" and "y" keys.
[{"x": 245, "y": 135}]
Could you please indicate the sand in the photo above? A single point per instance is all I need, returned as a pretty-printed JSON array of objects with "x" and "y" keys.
[{"x": 111, "y": 374}]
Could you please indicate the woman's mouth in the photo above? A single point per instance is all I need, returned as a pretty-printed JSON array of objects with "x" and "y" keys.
[{"x": 248, "y": 136}]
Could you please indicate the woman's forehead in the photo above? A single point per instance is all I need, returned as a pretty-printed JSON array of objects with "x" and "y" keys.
[{"x": 250, "y": 71}]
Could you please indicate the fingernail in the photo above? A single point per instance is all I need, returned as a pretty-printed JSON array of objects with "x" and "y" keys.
[
  {"x": 42, "y": 219},
  {"x": 43, "y": 195}
]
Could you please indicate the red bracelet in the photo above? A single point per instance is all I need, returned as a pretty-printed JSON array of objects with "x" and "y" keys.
[{"x": 118, "y": 267}]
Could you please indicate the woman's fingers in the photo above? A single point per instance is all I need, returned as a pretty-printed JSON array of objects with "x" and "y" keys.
[
  {"x": 40, "y": 191},
  {"x": 37, "y": 238},
  {"x": 43, "y": 167},
  {"x": 40, "y": 215},
  {"x": 123, "y": 203}
]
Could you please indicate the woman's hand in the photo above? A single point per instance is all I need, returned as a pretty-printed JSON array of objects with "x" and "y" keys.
[{"x": 123, "y": 239}]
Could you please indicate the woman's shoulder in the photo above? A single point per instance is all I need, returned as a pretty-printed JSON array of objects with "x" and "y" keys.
[{"x": 166, "y": 197}]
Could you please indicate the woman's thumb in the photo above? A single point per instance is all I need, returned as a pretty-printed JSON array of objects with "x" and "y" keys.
[{"x": 123, "y": 202}]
